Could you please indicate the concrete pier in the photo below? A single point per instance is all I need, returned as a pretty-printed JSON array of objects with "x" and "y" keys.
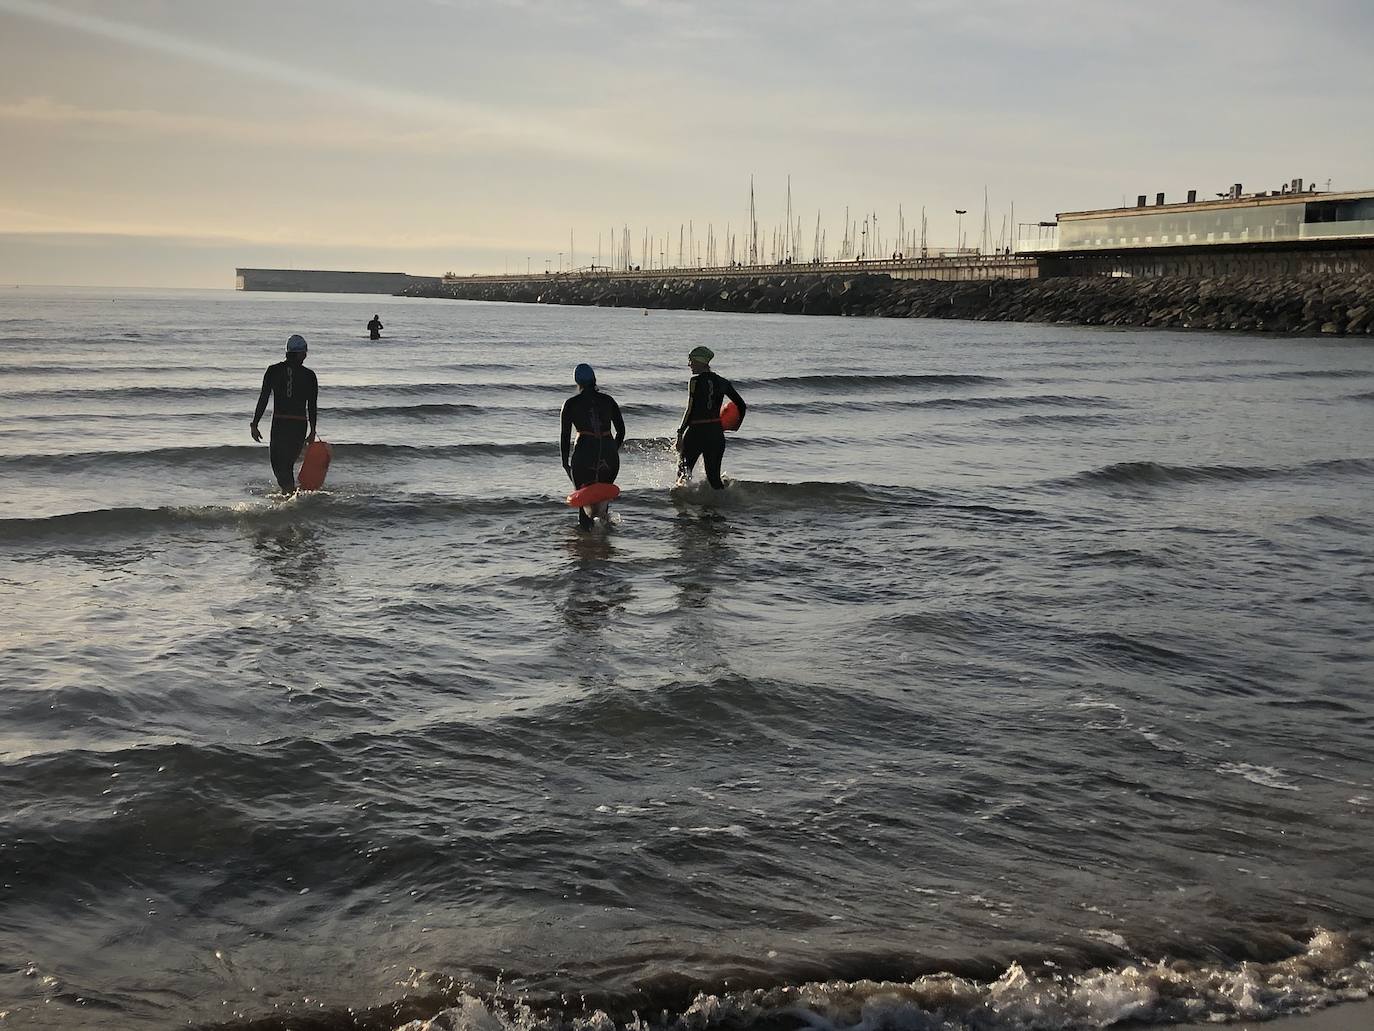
[
  {"x": 327, "y": 282},
  {"x": 945, "y": 268}
]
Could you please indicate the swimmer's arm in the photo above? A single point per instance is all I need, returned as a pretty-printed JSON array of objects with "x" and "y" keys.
[
  {"x": 565, "y": 436},
  {"x": 687, "y": 415},
  {"x": 618, "y": 421},
  {"x": 312, "y": 405},
  {"x": 262, "y": 398}
]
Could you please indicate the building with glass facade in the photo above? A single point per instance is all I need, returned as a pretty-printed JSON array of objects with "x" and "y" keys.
[{"x": 1287, "y": 218}]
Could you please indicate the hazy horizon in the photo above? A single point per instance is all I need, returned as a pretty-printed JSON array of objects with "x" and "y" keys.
[{"x": 155, "y": 143}]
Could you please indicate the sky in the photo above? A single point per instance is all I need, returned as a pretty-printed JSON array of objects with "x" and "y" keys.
[{"x": 165, "y": 142}]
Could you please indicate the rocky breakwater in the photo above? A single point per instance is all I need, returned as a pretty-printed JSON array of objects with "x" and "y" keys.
[{"x": 1330, "y": 305}]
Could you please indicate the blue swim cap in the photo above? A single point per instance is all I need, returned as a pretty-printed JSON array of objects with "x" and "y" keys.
[
  {"x": 584, "y": 375},
  {"x": 295, "y": 343}
]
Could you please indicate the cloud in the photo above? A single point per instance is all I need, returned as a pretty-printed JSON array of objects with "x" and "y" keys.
[
  {"x": 469, "y": 123},
  {"x": 325, "y": 134},
  {"x": 20, "y": 223}
]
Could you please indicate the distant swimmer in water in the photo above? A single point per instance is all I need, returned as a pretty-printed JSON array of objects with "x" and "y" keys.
[
  {"x": 600, "y": 432},
  {"x": 375, "y": 327},
  {"x": 295, "y": 393},
  {"x": 701, "y": 435}
]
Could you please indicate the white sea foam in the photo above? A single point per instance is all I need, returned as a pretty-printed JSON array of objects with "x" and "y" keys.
[
  {"x": 1264, "y": 776},
  {"x": 1330, "y": 970}
]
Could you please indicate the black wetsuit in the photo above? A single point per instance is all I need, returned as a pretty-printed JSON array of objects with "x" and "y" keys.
[
  {"x": 600, "y": 431},
  {"x": 375, "y": 328},
  {"x": 295, "y": 392},
  {"x": 703, "y": 437}
]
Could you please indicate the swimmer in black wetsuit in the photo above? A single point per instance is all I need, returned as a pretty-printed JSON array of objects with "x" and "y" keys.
[
  {"x": 596, "y": 456},
  {"x": 700, "y": 435},
  {"x": 295, "y": 392},
  {"x": 375, "y": 327}
]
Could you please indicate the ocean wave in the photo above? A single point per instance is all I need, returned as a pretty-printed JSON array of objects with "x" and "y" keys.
[
  {"x": 442, "y": 409},
  {"x": 852, "y": 405},
  {"x": 418, "y": 411},
  {"x": 859, "y": 381},
  {"x": 1323, "y": 968},
  {"x": 833, "y": 497},
  {"x": 421, "y": 411},
  {"x": 805, "y": 494},
  {"x": 125, "y": 393},
  {"x": 1017, "y": 401},
  {"x": 48, "y": 369},
  {"x": 220, "y": 455},
  {"x": 232, "y": 454},
  {"x": 1066, "y": 419},
  {"x": 376, "y": 508},
  {"x": 1152, "y": 474},
  {"x": 1312, "y": 374},
  {"x": 324, "y": 506},
  {"x": 251, "y": 385}
]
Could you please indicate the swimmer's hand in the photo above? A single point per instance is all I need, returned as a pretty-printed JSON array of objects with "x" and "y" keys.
[{"x": 253, "y": 429}]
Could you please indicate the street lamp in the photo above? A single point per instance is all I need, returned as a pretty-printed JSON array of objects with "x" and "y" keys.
[
  {"x": 527, "y": 265},
  {"x": 959, "y": 237},
  {"x": 560, "y": 263}
]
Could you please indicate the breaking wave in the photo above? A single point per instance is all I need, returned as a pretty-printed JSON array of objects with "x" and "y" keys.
[
  {"x": 860, "y": 381},
  {"x": 1326, "y": 969},
  {"x": 1158, "y": 474},
  {"x": 382, "y": 508}
]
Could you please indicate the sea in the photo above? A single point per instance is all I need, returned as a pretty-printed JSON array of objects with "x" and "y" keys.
[{"x": 1021, "y": 677}]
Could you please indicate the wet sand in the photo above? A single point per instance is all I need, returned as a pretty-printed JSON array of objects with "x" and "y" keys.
[{"x": 1352, "y": 1016}]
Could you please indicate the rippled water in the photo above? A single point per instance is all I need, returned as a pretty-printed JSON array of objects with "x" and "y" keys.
[{"x": 1020, "y": 678}]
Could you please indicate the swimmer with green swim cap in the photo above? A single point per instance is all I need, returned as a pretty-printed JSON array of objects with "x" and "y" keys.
[{"x": 700, "y": 434}]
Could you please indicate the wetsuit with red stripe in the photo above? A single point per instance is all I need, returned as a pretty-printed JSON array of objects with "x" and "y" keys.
[
  {"x": 701, "y": 432},
  {"x": 294, "y": 391}
]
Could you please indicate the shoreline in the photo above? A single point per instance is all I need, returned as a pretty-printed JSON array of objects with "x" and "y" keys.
[
  {"x": 1305, "y": 305},
  {"x": 1343, "y": 1016}
]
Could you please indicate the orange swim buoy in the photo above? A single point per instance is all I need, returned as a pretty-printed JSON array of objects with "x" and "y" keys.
[
  {"x": 315, "y": 465},
  {"x": 729, "y": 416},
  {"x": 593, "y": 494}
]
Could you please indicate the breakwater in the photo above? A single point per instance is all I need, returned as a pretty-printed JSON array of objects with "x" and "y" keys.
[
  {"x": 1313, "y": 304},
  {"x": 319, "y": 281}
]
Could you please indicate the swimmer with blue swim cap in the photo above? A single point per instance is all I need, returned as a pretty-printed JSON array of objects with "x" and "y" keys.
[{"x": 595, "y": 458}]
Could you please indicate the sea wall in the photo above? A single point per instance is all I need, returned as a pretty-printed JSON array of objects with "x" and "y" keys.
[
  {"x": 328, "y": 282},
  {"x": 1313, "y": 304}
]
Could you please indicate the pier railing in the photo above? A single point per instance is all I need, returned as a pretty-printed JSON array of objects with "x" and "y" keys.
[{"x": 950, "y": 267}]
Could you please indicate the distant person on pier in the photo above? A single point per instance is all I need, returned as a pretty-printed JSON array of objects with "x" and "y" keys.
[
  {"x": 294, "y": 391},
  {"x": 600, "y": 431},
  {"x": 701, "y": 435},
  {"x": 375, "y": 327}
]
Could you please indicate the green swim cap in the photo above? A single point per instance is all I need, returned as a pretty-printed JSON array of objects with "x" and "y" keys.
[{"x": 704, "y": 354}]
